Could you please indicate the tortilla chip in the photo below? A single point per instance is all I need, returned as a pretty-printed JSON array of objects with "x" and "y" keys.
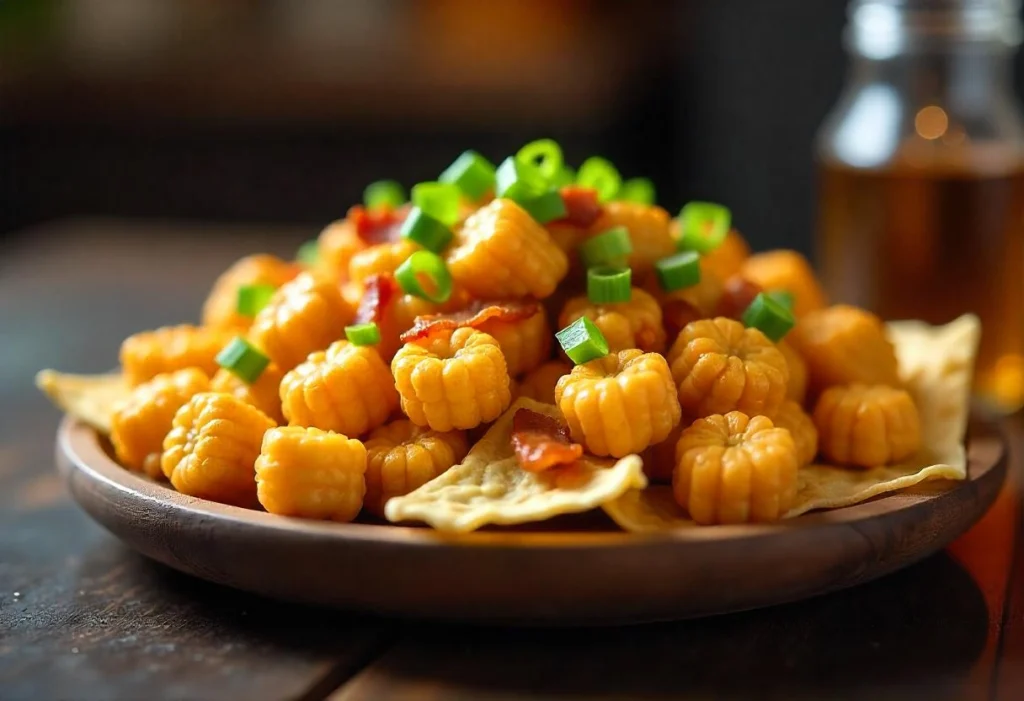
[
  {"x": 937, "y": 365},
  {"x": 89, "y": 398},
  {"x": 489, "y": 486}
]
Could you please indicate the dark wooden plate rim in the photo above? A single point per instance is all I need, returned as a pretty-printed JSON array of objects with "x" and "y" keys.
[{"x": 82, "y": 457}]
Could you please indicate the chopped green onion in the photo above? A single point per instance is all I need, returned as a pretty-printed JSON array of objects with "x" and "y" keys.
[
  {"x": 608, "y": 248},
  {"x": 252, "y": 298},
  {"x": 308, "y": 253},
  {"x": 543, "y": 154},
  {"x": 425, "y": 230},
  {"x": 678, "y": 271},
  {"x": 768, "y": 316},
  {"x": 609, "y": 285},
  {"x": 518, "y": 181},
  {"x": 363, "y": 334},
  {"x": 384, "y": 193},
  {"x": 639, "y": 190},
  {"x": 566, "y": 175},
  {"x": 600, "y": 174},
  {"x": 546, "y": 207},
  {"x": 703, "y": 225},
  {"x": 471, "y": 173},
  {"x": 783, "y": 297},
  {"x": 243, "y": 360},
  {"x": 439, "y": 200},
  {"x": 582, "y": 341},
  {"x": 424, "y": 275}
]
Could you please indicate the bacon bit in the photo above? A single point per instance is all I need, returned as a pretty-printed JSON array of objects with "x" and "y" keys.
[
  {"x": 737, "y": 295},
  {"x": 541, "y": 442},
  {"x": 472, "y": 316},
  {"x": 582, "y": 207},
  {"x": 379, "y": 225},
  {"x": 379, "y": 291},
  {"x": 676, "y": 314}
]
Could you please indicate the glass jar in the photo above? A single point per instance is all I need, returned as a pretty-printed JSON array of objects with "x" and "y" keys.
[{"x": 921, "y": 175}]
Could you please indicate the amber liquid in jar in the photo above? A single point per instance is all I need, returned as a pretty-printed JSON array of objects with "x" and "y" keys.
[{"x": 933, "y": 244}]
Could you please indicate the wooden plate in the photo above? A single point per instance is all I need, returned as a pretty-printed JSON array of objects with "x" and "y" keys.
[{"x": 578, "y": 570}]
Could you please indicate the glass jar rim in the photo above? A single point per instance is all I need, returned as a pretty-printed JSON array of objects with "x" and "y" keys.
[{"x": 885, "y": 28}]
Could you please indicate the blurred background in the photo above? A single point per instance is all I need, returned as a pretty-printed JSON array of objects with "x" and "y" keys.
[
  {"x": 280, "y": 111},
  {"x": 265, "y": 113}
]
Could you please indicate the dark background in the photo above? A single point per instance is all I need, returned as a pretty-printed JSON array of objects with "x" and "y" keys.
[{"x": 271, "y": 111}]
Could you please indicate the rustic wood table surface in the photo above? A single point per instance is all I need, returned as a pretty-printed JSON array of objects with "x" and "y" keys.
[{"x": 84, "y": 617}]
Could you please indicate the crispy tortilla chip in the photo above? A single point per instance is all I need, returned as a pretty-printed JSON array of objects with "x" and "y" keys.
[
  {"x": 489, "y": 487},
  {"x": 472, "y": 316},
  {"x": 936, "y": 363},
  {"x": 89, "y": 398}
]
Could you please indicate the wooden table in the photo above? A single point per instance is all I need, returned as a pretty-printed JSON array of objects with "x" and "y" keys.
[{"x": 83, "y": 617}]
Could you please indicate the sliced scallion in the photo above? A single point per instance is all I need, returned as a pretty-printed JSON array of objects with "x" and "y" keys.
[
  {"x": 608, "y": 248},
  {"x": 363, "y": 334},
  {"x": 546, "y": 207},
  {"x": 252, "y": 298},
  {"x": 545, "y": 155},
  {"x": 425, "y": 230},
  {"x": 582, "y": 341},
  {"x": 439, "y": 200},
  {"x": 598, "y": 173},
  {"x": 678, "y": 271},
  {"x": 607, "y": 285},
  {"x": 768, "y": 316},
  {"x": 471, "y": 173},
  {"x": 517, "y": 180},
  {"x": 425, "y": 275},
  {"x": 308, "y": 253},
  {"x": 703, "y": 226},
  {"x": 243, "y": 360},
  {"x": 384, "y": 193},
  {"x": 639, "y": 190}
]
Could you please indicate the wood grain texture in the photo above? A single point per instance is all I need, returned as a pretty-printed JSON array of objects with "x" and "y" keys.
[
  {"x": 519, "y": 578},
  {"x": 895, "y": 638},
  {"x": 81, "y": 616}
]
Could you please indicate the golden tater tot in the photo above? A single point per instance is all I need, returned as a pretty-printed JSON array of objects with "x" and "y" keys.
[
  {"x": 501, "y": 252},
  {"x": 526, "y": 343},
  {"x": 727, "y": 259},
  {"x": 452, "y": 379},
  {"x": 648, "y": 228},
  {"x": 402, "y": 456},
  {"x": 211, "y": 450},
  {"x": 383, "y": 258},
  {"x": 786, "y": 270},
  {"x": 720, "y": 366},
  {"x": 336, "y": 245},
  {"x": 311, "y": 473},
  {"x": 262, "y": 394},
  {"x": 150, "y": 353},
  {"x": 619, "y": 404},
  {"x": 735, "y": 469},
  {"x": 794, "y": 419},
  {"x": 221, "y": 306},
  {"x": 347, "y": 389},
  {"x": 842, "y": 345},
  {"x": 625, "y": 325},
  {"x": 867, "y": 425},
  {"x": 305, "y": 315},
  {"x": 141, "y": 421},
  {"x": 796, "y": 389},
  {"x": 539, "y": 384}
]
